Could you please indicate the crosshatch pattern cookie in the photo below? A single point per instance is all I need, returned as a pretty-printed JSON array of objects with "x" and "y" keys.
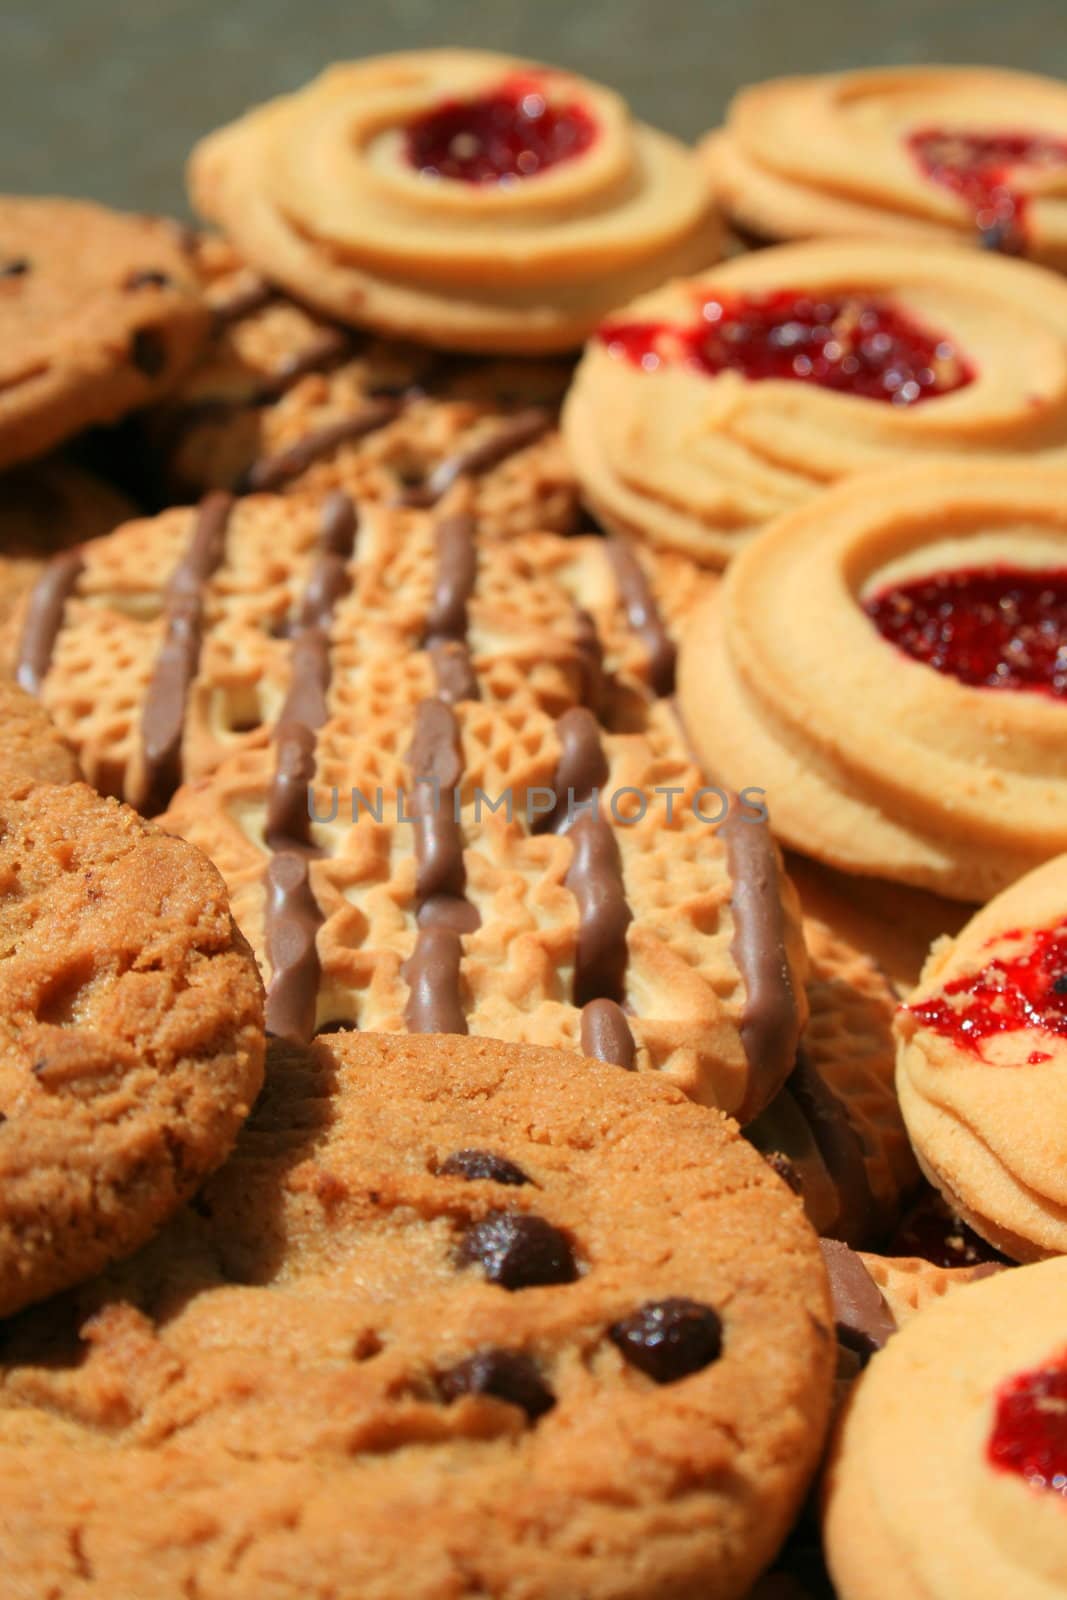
[
  {"x": 982, "y": 1067},
  {"x": 888, "y": 660},
  {"x": 468, "y": 200},
  {"x": 87, "y": 334},
  {"x": 477, "y": 862},
  {"x": 835, "y": 1131},
  {"x": 959, "y": 1420},
  {"x": 287, "y": 400},
  {"x": 45, "y": 508},
  {"x": 455, "y": 1319},
  {"x": 131, "y": 1044},
  {"x": 170, "y": 644},
  {"x": 714, "y": 405},
  {"x": 924, "y": 155}
]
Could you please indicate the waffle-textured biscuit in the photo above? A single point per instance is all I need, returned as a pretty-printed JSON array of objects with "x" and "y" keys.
[
  {"x": 885, "y": 664},
  {"x": 45, "y": 508},
  {"x": 835, "y": 1129},
  {"x": 468, "y": 200},
  {"x": 947, "y": 1473},
  {"x": 284, "y": 398},
  {"x": 920, "y": 155},
  {"x": 99, "y": 313},
  {"x": 454, "y": 1319},
  {"x": 715, "y": 404},
  {"x": 982, "y": 1067},
  {"x": 492, "y": 869},
  {"x": 131, "y": 1031},
  {"x": 909, "y": 1284}
]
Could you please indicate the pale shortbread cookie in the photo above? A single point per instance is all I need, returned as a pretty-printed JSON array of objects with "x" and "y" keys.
[
  {"x": 923, "y": 155},
  {"x": 99, "y": 313},
  {"x": 982, "y": 1067},
  {"x": 458, "y": 1318},
  {"x": 692, "y": 423},
  {"x": 873, "y": 761},
  {"x": 333, "y": 193},
  {"x": 942, "y": 1479}
]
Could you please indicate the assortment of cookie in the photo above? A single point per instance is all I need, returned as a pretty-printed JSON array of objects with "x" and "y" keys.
[{"x": 533, "y": 905}]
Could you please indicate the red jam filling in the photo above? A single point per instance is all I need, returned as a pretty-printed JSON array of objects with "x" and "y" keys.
[
  {"x": 847, "y": 342},
  {"x": 1026, "y": 991},
  {"x": 515, "y": 131},
  {"x": 1029, "y": 1434},
  {"x": 979, "y": 167},
  {"x": 992, "y": 627}
]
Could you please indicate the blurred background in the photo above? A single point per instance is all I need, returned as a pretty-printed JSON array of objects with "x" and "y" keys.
[{"x": 103, "y": 98}]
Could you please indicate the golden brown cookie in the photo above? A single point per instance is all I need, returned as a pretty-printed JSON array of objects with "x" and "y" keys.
[
  {"x": 131, "y": 1043},
  {"x": 920, "y": 155},
  {"x": 982, "y": 1067},
  {"x": 948, "y": 1470},
  {"x": 92, "y": 330},
  {"x": 31, "y": 751},
  {"x": 468, "y": 200},
  {"x": 712, "y": 406},
  {"x": 45, "y": 508},
  {"x": 456, "y": 1318},
  {"x": 887, "y": 664},
  {"x": 170, "y": 644},
  {"x": 285, "y": 398}
]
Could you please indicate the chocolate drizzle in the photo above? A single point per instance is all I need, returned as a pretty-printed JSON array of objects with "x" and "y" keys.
[
  {"x": 643, "y": 614},
  {"x": 864, "y": 1321},
  {"x": 293, "y": 917},
  {"x": 44, "y": 618},
  {"x": 245, "y": 302},
  {"x": 444, "y": 912},
  {"x": 163, "y": 717},
  {"x": 453, "y": 671},
  {"x": 327, "y": 349},
  {"x": 582, "y": 767},
  {"x": 839, "y": 1145},
  {"x": 770, "y": 1021},
  {"x": 514, "y": 435},
  {"x": 273, "y": 472},
  {"x": 446, "y": 626},
  {"x": 606, "y": 1034}
]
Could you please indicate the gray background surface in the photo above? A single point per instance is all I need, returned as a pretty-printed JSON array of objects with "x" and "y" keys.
[{"x": 103, "y": 98}]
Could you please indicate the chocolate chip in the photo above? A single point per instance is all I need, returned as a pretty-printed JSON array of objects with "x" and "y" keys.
[
  {"x": 148, "y": 352},
  {"x": 1059, "y": 985},
  {"x": 148, "y": 278},
  {"x": 669, "y": 1339},
  {"x": 518, "y": 1251},
  {"x": 17, "y": 267},
  {"x": 785, "y": 1170},
  {"x": 506, "y": 1375},
  {"x": 482, "y": 1164}
]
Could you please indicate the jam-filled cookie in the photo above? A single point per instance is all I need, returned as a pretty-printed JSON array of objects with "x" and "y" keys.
[
  {"x": 455, "y": 1319},
  {"x": 288, "y": 399},
  {"x": 974, "y": 155},
  {"x": 890, "y": 664},
  {"x": 948, "y": 1470},
  {"x": 714, "y": 405},
  {"x": 982, "y": 1067},
  {"x": 131, "y": 1023},
  {"x": 99, "y": 313},
  {"x": 468, "y": 200}
]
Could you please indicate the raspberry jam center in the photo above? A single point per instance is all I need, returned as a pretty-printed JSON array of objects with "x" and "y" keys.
[
  {"x": 979, "y": 168},
  {"x": 514, "y": 131},
  {"x": 992, "y": 627},
  {"x": 850, "y": 343},
  {"x": 1029, "y": 1434},
  {"x": 1024, "y": 991}
]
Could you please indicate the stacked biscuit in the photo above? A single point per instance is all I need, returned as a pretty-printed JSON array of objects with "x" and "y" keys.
[{"x": 427, "y": 1088}]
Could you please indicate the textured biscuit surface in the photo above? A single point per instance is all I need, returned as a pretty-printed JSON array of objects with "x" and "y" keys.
[
  {"x": 310, "y": 1386},
  {"x": 87, "y": 333},
  {"x": 131, "y": 1041}
]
